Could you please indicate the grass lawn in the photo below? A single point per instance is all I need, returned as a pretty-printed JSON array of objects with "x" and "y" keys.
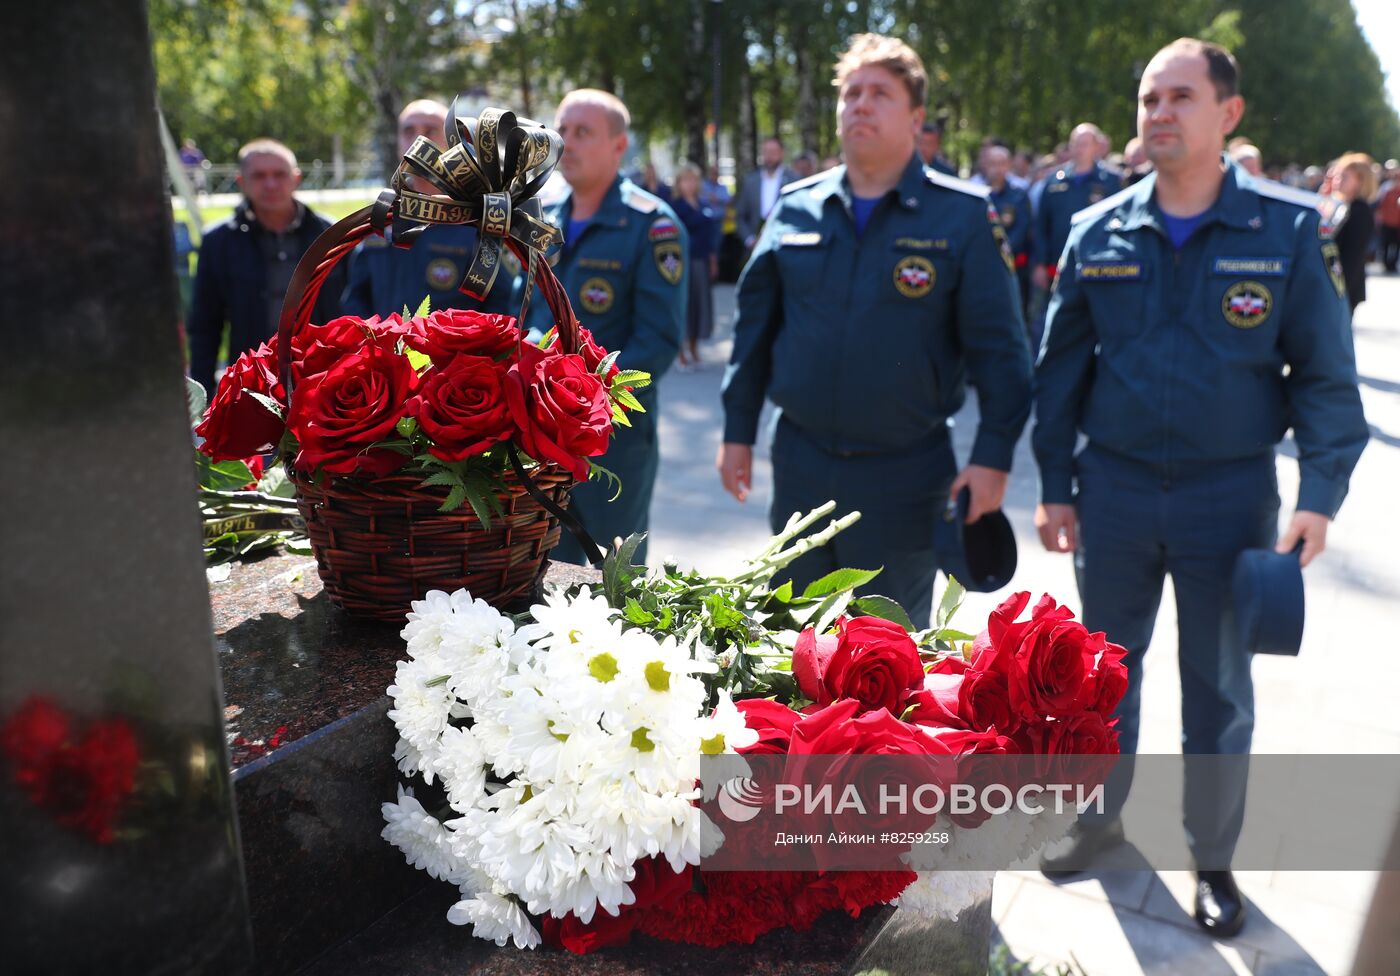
[{"x": 332, "y": 210}]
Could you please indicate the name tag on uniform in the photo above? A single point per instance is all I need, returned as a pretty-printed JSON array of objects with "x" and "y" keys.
[
  {"x": 800, "y": 240},
  {"x": 1108, "y": 271},
  {"x": 1268, "y": 267},
  {"x": 603, "y": 264},
  {"x": 922, "y": 243}
]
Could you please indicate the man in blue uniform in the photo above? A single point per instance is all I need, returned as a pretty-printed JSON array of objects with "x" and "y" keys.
[
  {"x": 874, "y": 288},
  {"x": 1197, "y": 316},
  {"x": 623, "y": 264},
  {"x": 1083, "y": 183},
  {"x": 383, "y": 279},
  {"x": 1013, "y": 207}
]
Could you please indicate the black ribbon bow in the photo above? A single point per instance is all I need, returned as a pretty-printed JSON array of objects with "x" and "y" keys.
[{"x": 489, "y": 174}]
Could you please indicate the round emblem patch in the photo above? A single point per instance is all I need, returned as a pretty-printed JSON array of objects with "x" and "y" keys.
[
  {"x": 442, "y": 273},
  {"x": 1246, "y": 304},
  {"x": 596, "y": 295},
  {"x": 914, "y": 276}
]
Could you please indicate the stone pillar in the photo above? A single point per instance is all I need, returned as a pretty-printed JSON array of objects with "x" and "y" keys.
[{"x": 119, "y": 843}]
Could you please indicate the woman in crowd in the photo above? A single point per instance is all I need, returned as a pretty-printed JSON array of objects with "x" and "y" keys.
[
  {"x": 702, "y": 226},
  {"x": 1353, "y": 181}
]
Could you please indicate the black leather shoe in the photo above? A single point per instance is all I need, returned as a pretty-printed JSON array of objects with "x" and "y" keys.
[
  {"x": 1070, "y": 856},
  {"x": 1219, "y": 904}
]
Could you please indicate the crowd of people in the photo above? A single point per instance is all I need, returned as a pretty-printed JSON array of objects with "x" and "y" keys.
[{"x": 1167, "y": 313}]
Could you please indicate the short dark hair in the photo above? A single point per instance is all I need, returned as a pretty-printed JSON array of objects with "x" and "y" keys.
[
  {"x": 932, "y": 126},
  {"x": 1221, "y": 66}
]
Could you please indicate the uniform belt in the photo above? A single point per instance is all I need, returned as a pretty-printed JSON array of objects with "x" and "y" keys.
[{"x": 937, "y": 438}]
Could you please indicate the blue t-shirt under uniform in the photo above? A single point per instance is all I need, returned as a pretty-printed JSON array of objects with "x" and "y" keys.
[
  {"x": 1181, "y": 228},
  {"x": 575, "y": 230},
  {"x": 861, "y": 209}
]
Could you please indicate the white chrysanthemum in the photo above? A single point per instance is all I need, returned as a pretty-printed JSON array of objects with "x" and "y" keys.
[
  {"x": 497, "y": 918},
  {"x": 422, "y": 704},
  {"x": 461, "y": 764},
  {"x": 945, "y": 894},
  {"x": 422, "y": 838},
  {"x": 410, "y": 760},
  {"x": 423, "y": 632},
  {"x": 725, "y": 730}
]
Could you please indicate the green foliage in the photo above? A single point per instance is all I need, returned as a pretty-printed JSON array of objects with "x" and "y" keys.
[{"x": 316, "y": 71}]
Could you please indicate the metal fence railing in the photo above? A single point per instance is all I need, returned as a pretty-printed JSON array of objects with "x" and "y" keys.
[{"x": 215, "y": 178}]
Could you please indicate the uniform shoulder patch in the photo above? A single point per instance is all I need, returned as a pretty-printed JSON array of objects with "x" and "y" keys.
[
  {"x": 1093, "y": 211},
  {"x": 663, "y": 228},
  {"x": 640, "y": 200},
  {"x": 1333, "y": 259},
  {"x": 669, "y": 257},
  {"x": 956, "y": 183}
]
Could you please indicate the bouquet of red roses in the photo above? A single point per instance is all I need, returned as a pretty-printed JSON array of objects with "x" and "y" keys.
[{"x": 437, "y": 395}]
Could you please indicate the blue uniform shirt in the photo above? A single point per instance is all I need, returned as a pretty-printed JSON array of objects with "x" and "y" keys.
[
  {"x": 863, "y": 340},
  {"x": 1013, "y": 207},
  {"x": 383, "y": 279},
  {"x": 625, "y": 275},
  {"x": 1065, "y": 194},
  {"x": 1178, "y": 357}
]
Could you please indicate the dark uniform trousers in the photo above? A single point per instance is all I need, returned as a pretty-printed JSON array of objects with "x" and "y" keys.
[
  {"x": 635, "y": 455},
  {"x": 898, "y": 512},
  {"x": 1139, "y": 523}
]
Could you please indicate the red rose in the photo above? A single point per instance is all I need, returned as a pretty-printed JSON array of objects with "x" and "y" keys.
[
  {"x": 984, "y": 701},
  {"x": 594, "y": 354},
  {"x": 34, "y": 732},
  {"x": 316, "y": 348},
  {"x": 338, "y": 415},
  {"x": 462, "y": 407},
  {"x": 561, "y": 410},
  {"x": 1109, "y": 682},
  {"x": 237, "y": 424},
  {"x": 810, "y": 656},
  {"x": 772, "y": 721},
  {"x": 1046, "y": 659},
  {"x": 937, "y": 703},
  {"x": 450, "y": 332},
  {"x": 842, "y": 729},
  {"x": 875, "y": 662}
]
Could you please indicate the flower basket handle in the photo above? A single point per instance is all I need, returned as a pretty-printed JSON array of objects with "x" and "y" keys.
[{"x": 488, "y": 176}]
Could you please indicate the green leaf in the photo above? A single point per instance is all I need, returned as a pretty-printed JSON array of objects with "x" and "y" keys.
[
  {"x": 272, "y": 405},
  {"x": 418, "y": 360},
  {"x": 884, "y": 608},
  {"x": 622, "y": 395},
  {"x": 445, "y": 479},
  {"x": 606, "y": 363},
  {"x": 197, "y": 400},
  {"x": 782, "y": 594},
  {"x": 424, "y": 307},
  {"x": 406, "y": 427},
  {"x": 298, "y": 547},
  {"x": 455, "y": 498},
  {"x": 948, "y": 634},
  {"x": 405, "y": 314},
  {"x": 830, "y": 608},
  {"x": 948, "y": 605},
  {"x": 635, "y": 613},
  {"x": 225, "y": 475},
  {"x": 632, "y": 377},
  {"x": 619, "y": 416},
  {"x": 618, "y": 570},
  {"x": 275, "y": 482},
  {"x": 594, "y": 469},
  {"x": 840, "y": 581}
]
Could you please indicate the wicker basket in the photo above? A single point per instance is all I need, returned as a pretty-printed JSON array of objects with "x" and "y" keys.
[{"x": 382, "y": 543}]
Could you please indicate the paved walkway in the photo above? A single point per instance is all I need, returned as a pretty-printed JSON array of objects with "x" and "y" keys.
[{"x": 1120, "y": 925}]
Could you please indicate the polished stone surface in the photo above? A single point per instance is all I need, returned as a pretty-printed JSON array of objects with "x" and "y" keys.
[
  {"x": 311, "y": 752},
  {"x": 119, "y": 846},
  {"x": 417, "y": 939}
]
